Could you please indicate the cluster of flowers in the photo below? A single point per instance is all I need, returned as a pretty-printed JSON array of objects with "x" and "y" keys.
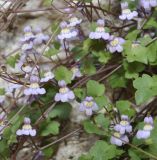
[
  {"x": 120, "y": 137},
  {"x": 148, "y": 127}
]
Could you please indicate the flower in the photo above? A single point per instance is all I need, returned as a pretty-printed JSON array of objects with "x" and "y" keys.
[
  {"x": 65, "y": 94},
  {"x": 66, "y": 32},
  {"x": 26, "y": 129},
  {"x": 100, "y": 31},
  {"x": 119, "y": 139},
  {"x": 76, "y": 72},
  {"x": 124, "y": 125},
  {"x": 34, "y": 88},
  {"x": 148, "y": 127},
  {"x": 148, "y": 4},
  {"x": 40, "y": 37},
  {"x": 88, "y": 105},
  {"x": 47, "y": 76},
  {"x": 27, "y": 46},
  {"x": 126, "y": 12},
  {"x": 74, "y": 21},
  {"x": 28, "y": 35},
  {"x": 115, "y": 44}
]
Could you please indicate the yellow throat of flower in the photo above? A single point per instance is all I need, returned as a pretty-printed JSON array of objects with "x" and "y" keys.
[
  {"x": 63, "y": 90},
  {"x": 126, "y": 11},
  {"x": 34, "y": 85},
  {"x": 124, "y": 123},
  {"x": 27, "y": 127},
  {"x": 88, "y": 104},
  {"x": 148, "y": 127},
  {"x": 74, "y": 19},
  {"x": 115, "y": 42},
  {"x": 65, "y": 30},
  {"x": 117, "y": 134},
  {"x": 100, "y": 29}
]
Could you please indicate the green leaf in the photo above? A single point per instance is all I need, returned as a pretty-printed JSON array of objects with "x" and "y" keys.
[
  {"x": 51, "y": 52},
  {"x": 11, "y": 60},
  {"x": 133, "y": 35},
  {"x": 48, "y": 152},
  {"x": 85, "y": 157},
  {"x": 125, "y": 108},
  {"x": 80, "y": 93},
  {"x": 146, "y": 88},
  {"x": 63, "y": 73},
  {"x": 104, "y": 151},
  {"x": 62, "y": 111},
  {"x": 101, "y": 101},
  {"x": 102, "y": 121},
  {"x": 135, "y": 53},
  {"x": 151, "y": 23},
  {"x": 90, "y": 127},
  {"x": 51, "y": 128},
  {"x": 2, "y": 91},
  {"x": 117, "y": 80},
  {"x": 133, "y": 155},
  {"x": 95, "y": 89}
]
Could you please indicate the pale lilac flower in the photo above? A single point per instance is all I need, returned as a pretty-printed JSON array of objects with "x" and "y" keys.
[
  {"x": 47, "y": 76},
  {"x": 28, "y": 34},
  {"x": 40, "y": 37},
  {"x": 119, "y": 139},
  {"x": 66, "y": 32},
  {"x": 26, "y": 129},
  {"x": 65, "y": 94},
  {"x": 148, "y": 127},
  {"x": 76, "y": 72},
  {"x": 34, "y": 88},
  {"x": 126, "y": 12},
  {"x": 27, "y": 46},
  {"x": 148, "y": 4},
  {"x": 124, "y": 126},
  {"x": 100, "y": 31},
  {"x": 74, "y": 21},
  {"x": 88, "y": 105},
  {"x": 115, "y": 44}
]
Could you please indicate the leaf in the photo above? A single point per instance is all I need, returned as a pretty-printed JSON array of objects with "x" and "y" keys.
[
  {"x": 11, "y": 60},
  {"x": 62, "y": 73},
  {"x": 146, "y": 88},
  {"x": 135, "y": 53},
  {"x": 133, "y": 155},
  {"x": 133, "y": 35},
  {"x": 2, "y": 91},
  {"x": 95, "y": 89},
  {"x": 88, "y": 67},
  {"x": 117, "y": 80},
  {"x": 80, "y": 93},
  {"x": 125, "y": 108},
  {"x": 151, "y": 23},
  {"x": 51, "y": 128},
  {"x": 101, "y": 101},
  {"x": 102, "y": 121},
  {"x": 51, "y": 52},
  {"x": 62, "y": 111},
  {"x": 90, "y": 127},
  {"x": 104, "y": 151}
]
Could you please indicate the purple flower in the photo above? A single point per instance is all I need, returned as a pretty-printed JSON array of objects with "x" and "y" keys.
[
  {"x": 65, "y": 94},
  {"x": 100, "y": 31},
  {"x": 148, "y": 127},
  {"x": 76, "y": 72},
  {"x": 66, "y": 32},
  {"x": 119, "y": 139},
  {"x": 28, "y": 35},
  {"x": 115, "y": 44},
  {"x": 74, "y": 21},
  {"x": 34, "y": 88},
  {"x": 47, "y": 76},
  {"x": 26, "y": 129},
  {"x": 124, "y": 126},
  {"x": 40, "y": 37},
  {"x": 126, "y": 12},
  {"x": 88, "y": 105},
  {"x": 27, "y": 46},
  {"x": 148, "y": 4}
]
